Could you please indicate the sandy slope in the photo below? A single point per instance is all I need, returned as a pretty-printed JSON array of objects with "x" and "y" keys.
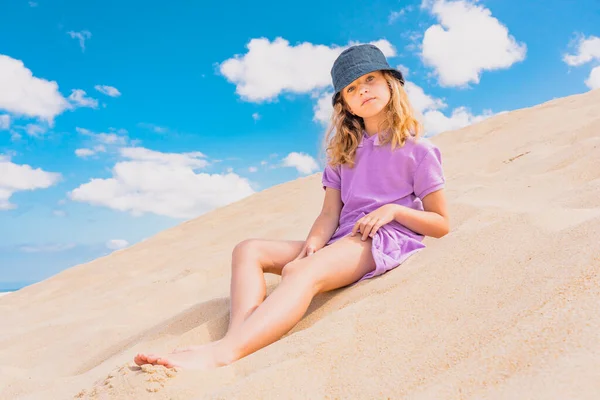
[{"x": 506, "y": 306}]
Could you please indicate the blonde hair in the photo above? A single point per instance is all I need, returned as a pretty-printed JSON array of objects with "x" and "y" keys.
[{"x": 345, "y": 129}]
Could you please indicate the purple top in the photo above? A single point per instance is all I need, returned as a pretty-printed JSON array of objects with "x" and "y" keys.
[{"x": 381, "y": 176}]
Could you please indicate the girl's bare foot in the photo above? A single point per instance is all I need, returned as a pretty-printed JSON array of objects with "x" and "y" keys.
[{"x": 209, "y": 356}]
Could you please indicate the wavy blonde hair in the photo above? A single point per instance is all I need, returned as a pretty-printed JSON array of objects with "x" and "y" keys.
[{"x": 345, "y": 129}]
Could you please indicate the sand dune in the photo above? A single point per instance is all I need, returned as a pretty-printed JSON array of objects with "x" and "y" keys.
[{"x": 506, "y": 306}]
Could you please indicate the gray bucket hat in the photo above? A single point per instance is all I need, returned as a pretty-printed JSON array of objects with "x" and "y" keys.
[{"x": 356, "y": 61}]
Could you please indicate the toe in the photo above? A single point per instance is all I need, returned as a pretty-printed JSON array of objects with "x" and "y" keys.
[
  {"x": 164, "y": 362},
  {"x": 140, "y": 359},
  {"x": 151, "y": 358}
]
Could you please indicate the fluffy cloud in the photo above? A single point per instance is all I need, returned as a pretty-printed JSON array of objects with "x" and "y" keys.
[
  {"x": 78, "y": 99},
  {"x": 81, "y": 36},
  {"x": 467, "y": 41},
  {"x": 117, "y": 244},
  {"x": 4, "y": 121},
  {"x": 23, "y": 94},
  {"x": 14, "y": 178},
  {"x": 194, "y": 160},
  {"x": 85, "y": 152},
  {"x": 421, "y": 101},
  {"x": 323, "y": 109},
  {"x": 35, "y": 130},
  {"x": 587, "y": 49},
  {"x": 108, "y": 90},
  {"x": 394, "y": 15},
  {"x": 434, "y": 121},
  {"x": 108, "y": 138},
  {"x": 164, "y": 184},
  {"x": 593, "y": 81},
  {"x": 304, "y": 163},
  {"x": 271, "y": 68}
]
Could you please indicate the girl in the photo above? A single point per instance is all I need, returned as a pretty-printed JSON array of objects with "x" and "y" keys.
[{"x": 383, "y": 194}]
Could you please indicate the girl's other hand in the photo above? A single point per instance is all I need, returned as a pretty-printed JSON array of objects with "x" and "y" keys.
[{"x": 370, "y": 223}]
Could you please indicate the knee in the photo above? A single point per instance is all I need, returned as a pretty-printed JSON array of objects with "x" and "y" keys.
[
  {"x": 246, "y": 248},
  {"x": 295, "y": 270}
]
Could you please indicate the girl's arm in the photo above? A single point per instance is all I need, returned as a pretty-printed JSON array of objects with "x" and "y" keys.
[
  {"x": 434, "y": 221},
  {"x": 327, "y": 222}
]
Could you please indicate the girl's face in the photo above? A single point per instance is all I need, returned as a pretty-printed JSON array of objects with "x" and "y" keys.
[{"x": 368, "y": 95}]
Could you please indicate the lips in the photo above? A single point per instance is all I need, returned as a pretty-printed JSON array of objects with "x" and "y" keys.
[{"x": 367, "y": 100}]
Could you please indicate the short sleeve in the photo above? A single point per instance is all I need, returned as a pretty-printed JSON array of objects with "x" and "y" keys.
[
  {"x": 331, "y": 177},
  {"x": 429, "y": 175}
]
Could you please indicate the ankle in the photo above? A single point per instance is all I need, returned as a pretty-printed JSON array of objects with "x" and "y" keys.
[{"x": 225, "y": 353}]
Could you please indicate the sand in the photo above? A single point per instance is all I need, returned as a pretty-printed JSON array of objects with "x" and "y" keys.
[{"x": 506, "y": 306}]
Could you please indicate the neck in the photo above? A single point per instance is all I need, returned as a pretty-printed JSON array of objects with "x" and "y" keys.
[{"x": 372, "y": 124}]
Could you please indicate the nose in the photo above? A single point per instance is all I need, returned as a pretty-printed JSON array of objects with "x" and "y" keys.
[{"x": 362, "y": 89}]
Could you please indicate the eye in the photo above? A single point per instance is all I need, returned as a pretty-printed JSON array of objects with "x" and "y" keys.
[
  {"x": 370, "y": 78},
  {"x": 351, "y": 88}
]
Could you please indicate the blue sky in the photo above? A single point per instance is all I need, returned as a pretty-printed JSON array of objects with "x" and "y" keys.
[{"x": 119, "y": 119}]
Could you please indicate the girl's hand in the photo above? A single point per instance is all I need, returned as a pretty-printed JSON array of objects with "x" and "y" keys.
[
  {"x": 308, "y": 249},
  {"x": 370, "y": 223}
]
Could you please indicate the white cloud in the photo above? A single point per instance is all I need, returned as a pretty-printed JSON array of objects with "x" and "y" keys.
[
  {"x": 81, "y": 36},
  {"x": 78, "y": 99},
  {"x": 33, "y": 4},
  {"x": 394, "y": 15},
  {"x": 593, "y": 81},
  {"x": 164, "y": 184},
  {"x": 104, "y": 138},
  {"x": 59, "y": 213},
  {"x": 271, "y": 68},
  {"x": 304, "y": 163},
  {"x": 108, "y": 90},
  {"x": 421, "y": 101},
  {"x": 35, "y": 130},
  {"x": 588, "y": 49},
  {"x": 404, "y": 69},
  {"x": 47, "y": 248},
  {"x": 86, "y": 152},
  {"x": 252, "y": 169},
  {"x": 23, "y": 94},
  {"x": 4, "y": 121},
  {"x": 434, "y": 121},
  {"x": 323, "y": 109},
  {"x": 117, "y": 244},
  {"x": 256, "y": 116},
  {"x": 467, "y": 41},
  {"x": 263, "y": 162},
  {"x": 193, "y": 160},
  {"x": 14, "y": 178}
]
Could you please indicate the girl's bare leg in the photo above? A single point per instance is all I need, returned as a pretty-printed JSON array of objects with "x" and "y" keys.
[
  {"x": 250, "y": 260},
  {"x": 334, "y": 266}
]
